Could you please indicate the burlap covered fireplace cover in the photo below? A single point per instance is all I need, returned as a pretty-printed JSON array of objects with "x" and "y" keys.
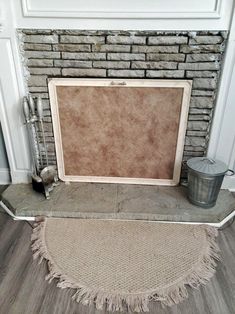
[{"x": 120, "y": 131}]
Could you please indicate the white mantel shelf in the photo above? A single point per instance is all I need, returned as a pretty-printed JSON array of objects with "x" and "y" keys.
[{"x": 125, "y": 15}]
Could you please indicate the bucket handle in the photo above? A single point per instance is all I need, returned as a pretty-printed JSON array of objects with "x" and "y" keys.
[
  {"x": 212, "y": 161},
  {"x": 231, "y": 173}
]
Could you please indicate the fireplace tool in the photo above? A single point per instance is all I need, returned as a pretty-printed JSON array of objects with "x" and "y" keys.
[
  {"x": 44, "y": 178},
  {"x": 36, "y": 179},
  {"x": 48, "y": 173},
  {"x": 33, "y": 120}
]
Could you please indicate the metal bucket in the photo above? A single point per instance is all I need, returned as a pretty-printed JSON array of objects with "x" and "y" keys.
[{"x": 205, "y": 177}]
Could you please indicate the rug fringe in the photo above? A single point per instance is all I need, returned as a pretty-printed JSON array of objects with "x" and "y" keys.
[{"x": 133, "y": 302}]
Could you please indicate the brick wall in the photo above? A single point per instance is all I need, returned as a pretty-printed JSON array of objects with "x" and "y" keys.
[{"x": 120, "y": 54}]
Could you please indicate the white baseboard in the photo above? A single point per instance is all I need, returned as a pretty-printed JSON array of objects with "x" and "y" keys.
[
  {"x": 20, "y": 176},
  {"x": 5, "y": 177},
  {"x": 14, "y": 177},
  {"x": 229, "y": 183}
]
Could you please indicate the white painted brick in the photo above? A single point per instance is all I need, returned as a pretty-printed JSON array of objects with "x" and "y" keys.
[
  {"x": 47, "y": 71},
  {"x": 192, "y": 74},
  {"x": 46, "y": 104},
  {"x": 81, "y": 39},
  {"x": 47, "y": 113},
  {"x": 84, "y": 55},
  {"x": 39, "y": 63},
  {"x": 179, "y": 57},
  {"x": 153, "y": 65},
  {"x": 37, "y": 31},
  {"x": 201, "y": 102},
  {"x": 204, "y": 83},
  {"x": 37, "y": 80},
  {"x": 197, "y": 111},
  {"x": 125, "y": 73},
  {"x": 41, "y": 39},
  {"x": 125, "y": 56},
  {"x": 84, "y": 72},
  {"x": 128, "y": 40},
  {"x": 199, "y": 66},
  {"x": 201, "y": 48},
  {"x": 51, "y": 147},
  {"x": 192, "y": 148},
  {"x": 165, "y": 73},
  {"x": 196, "y": 133},
  {"x": 196, "y": 92},
  {"x": 72, "y": 48},
  {"x": 39, "y": 94},
  {"x": 155, "y": 49},
  {"x": 48, "y": 127},
  {"x": 203, "y": 57},
  {"x": 206, "y": 40},
  {"x": 191, "y": 154},
  {"x": 197, "y": 125},
  {"x": 111, "y": 48},
  {"x": 111, "y": 64},
  {"x": 198, "y": 117},
  {"x": 47, "y": 119},
  {"x": 73, "y": 64},
  {"x": 167, "y": 40},
  {"x": 42, "y": 54},
  {"x": 37, "y": 47},
  {"x": 38, "y": 89},
  {"x": 195, "y": 141}
]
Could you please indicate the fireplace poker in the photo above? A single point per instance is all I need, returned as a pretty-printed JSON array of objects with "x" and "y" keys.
[
  {"x": 43, "y": 178},
  {"x": 48, "y": 174},
  {"x": 33, "y": 121},
  {"x": 40, "y": 119},
  {"x": 36, "y": 180}
]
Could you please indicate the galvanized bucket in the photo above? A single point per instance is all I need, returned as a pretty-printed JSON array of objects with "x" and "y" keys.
[{"x": 205, "y": 177}]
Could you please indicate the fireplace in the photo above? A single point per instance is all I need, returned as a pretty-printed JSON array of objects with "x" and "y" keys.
[{"x": 151, "y": 55}]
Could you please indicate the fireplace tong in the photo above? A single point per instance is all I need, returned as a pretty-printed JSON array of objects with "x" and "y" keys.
[{"x": 44, "y": 177}]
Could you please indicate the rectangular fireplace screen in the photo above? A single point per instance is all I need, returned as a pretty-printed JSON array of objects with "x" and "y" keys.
[{"x": 119, "y": 131}]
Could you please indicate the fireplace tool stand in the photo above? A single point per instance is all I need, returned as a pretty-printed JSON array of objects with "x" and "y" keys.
[{"x": 44, "y": 178}]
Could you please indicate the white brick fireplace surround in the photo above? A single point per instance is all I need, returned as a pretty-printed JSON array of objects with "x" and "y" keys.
[{"x": 139, "y": 26}]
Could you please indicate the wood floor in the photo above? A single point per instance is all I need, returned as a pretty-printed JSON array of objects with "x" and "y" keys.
[{"x": 23, "y": 289}]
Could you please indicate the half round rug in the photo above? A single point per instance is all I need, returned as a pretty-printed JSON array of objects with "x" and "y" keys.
[{"x": 123, "y": 265}]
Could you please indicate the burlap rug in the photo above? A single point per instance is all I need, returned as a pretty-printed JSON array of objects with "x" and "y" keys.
[{"x": 122, "y": 265}]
